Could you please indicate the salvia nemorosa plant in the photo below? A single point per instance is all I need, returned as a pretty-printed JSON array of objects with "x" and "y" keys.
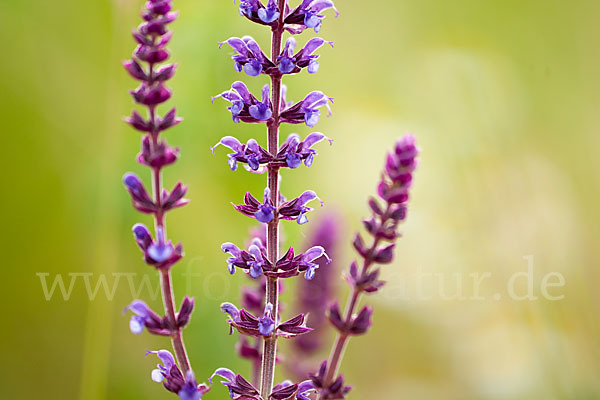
[
  {"x": 259, "y": 321},
  {"x": 148, "y": 66}
]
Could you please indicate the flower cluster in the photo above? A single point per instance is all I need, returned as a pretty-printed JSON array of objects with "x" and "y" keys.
[
  {"x": 266, "y": 211},
  {"x": 291, "y": 153},
  {"x": 262, "y": 261},
  {"x": 256, "y": 262},
  {"x": 306, "y": 15},
  {"x": 247, "y": 324},
  {"x": 246, "y": 107},
  {"x": 146, "y": 66},
  {"x": 383, "y": 227},
  {"x": 252, "y": 60},
  {"x": 259, "y": 320}
]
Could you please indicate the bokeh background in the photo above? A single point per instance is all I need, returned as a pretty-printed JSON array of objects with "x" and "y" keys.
[{"x": 503, "y": 96}]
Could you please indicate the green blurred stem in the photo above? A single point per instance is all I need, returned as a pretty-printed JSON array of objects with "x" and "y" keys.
[{"x": 272, "y": 291}]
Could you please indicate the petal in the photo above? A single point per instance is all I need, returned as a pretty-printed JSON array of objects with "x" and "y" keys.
[
  {"x": 242, "y": 90},
  {"x": 229, "y": 141},
  {"x": 310, "y": 272},
  {"x": 265, "y": 94},
  {"x": 320, "y": 5},
  {"x": 136, "y": 325},
  {"x": 313, "y": 139},
  {"x": 237, "y": 44},
  {"x": 313, "y": 253},
  {"x": 157, "y": 375},
  {"x": 264, "y": 214},
  {"x": 307, "y": 196},
  {"x": 224, "y": 373},
  {"x": 253, "y": 68},
  {"x": 139, "y": 308},
  {"x": 230, "y": 309},
  {"x": 160, "y": 252},
  {"x": 304, "y": 388},
  {"x": 231, "y": 248}
]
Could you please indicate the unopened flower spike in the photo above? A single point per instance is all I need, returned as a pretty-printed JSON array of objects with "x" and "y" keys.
[
  {"x": 149, "y": 67},
  {"x": 393, "y": 189}
]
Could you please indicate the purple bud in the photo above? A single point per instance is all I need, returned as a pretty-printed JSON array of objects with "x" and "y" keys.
[
  {"x": 185, "y": 312},
  {"x": 385, "y": 255},
  {"x": 138, "y": 122},
  {"x": 335, "y": 317},
  {"x": 266, "y": 324},
  {"x": 165, "y": 72},
  {"x": 135, "y": 70},
  {"x": 142, "y": 236},
  {"x": 361, "y": 323},
  {"x": 169, "y": 120}
]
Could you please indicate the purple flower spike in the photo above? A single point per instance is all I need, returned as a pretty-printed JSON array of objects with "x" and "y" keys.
[
  {"x": 266, "y": 324},
  {"x": 399, "y": 167},
  {"x": 307, "y": 111},
  {"x": 296, "y": 208}
]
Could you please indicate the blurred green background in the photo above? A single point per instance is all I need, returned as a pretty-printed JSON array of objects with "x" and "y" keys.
[{"x": 503, "y": 96}]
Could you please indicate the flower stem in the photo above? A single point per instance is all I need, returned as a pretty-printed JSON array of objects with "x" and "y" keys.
[
  {"x": 272, "y": 291},
  {"x": 337, "y": 353},
  {"x": 165, "y": 275},
  {"x": 176, "y": 337}
]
